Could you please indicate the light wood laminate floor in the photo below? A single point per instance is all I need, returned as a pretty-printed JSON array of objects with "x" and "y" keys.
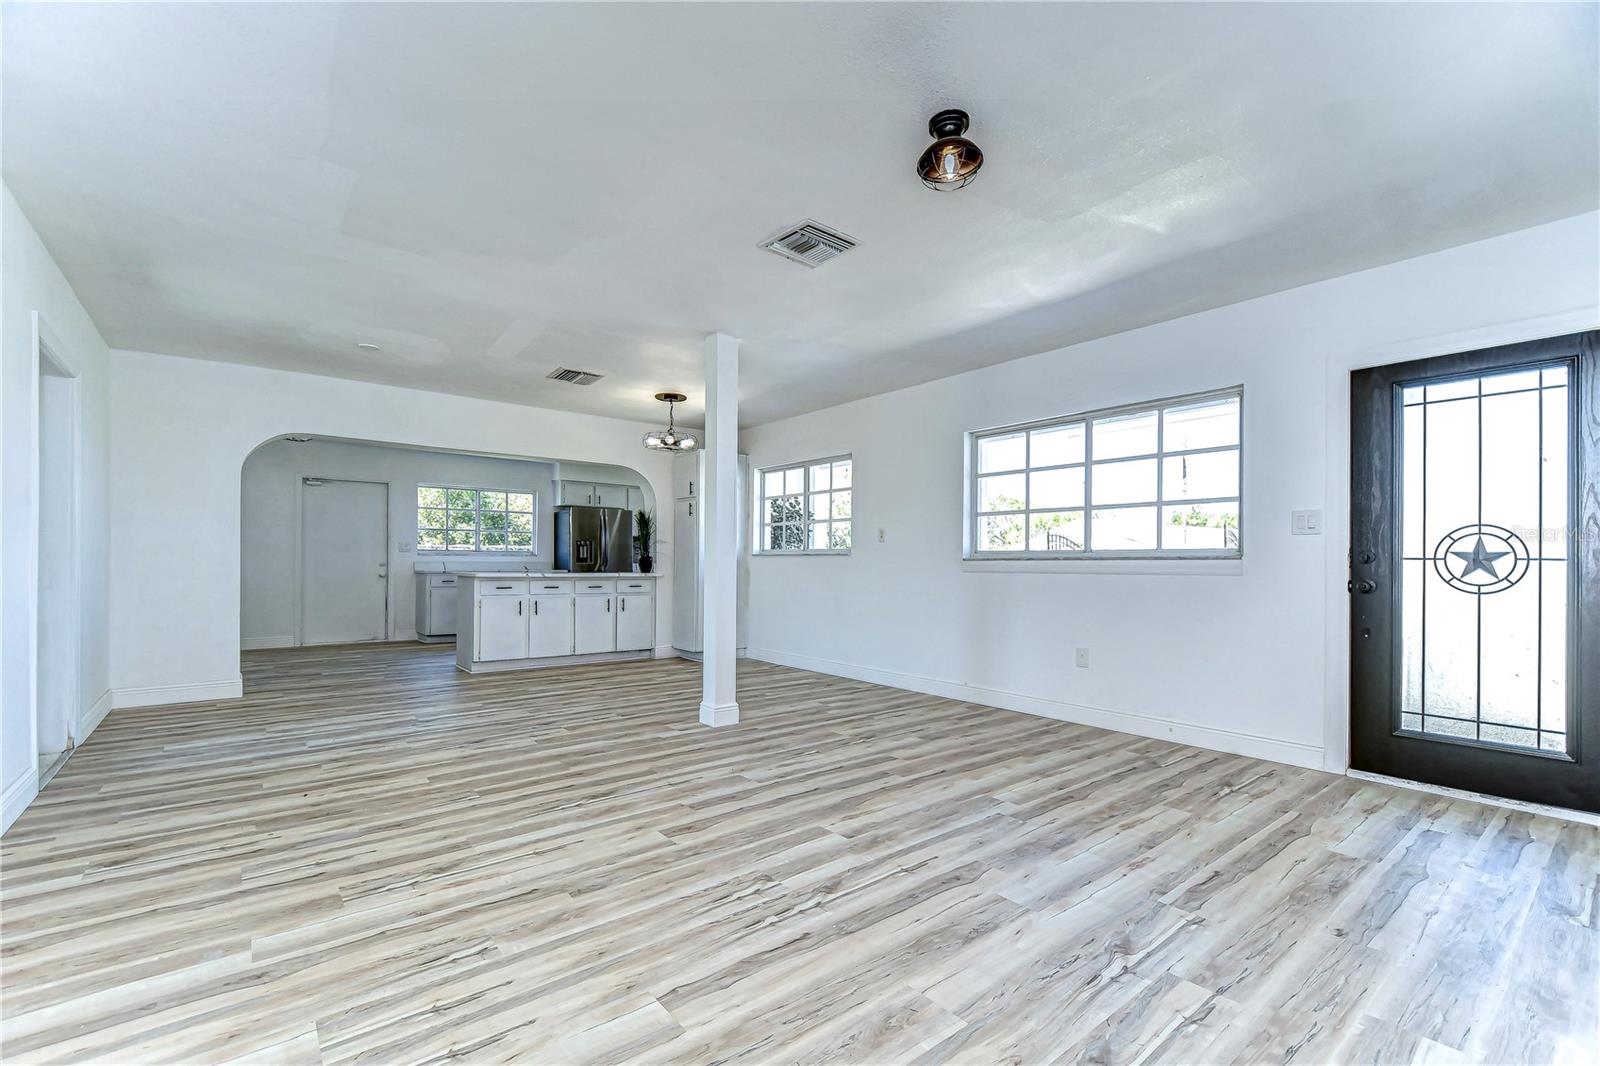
[{"x": 373, "y": 857}]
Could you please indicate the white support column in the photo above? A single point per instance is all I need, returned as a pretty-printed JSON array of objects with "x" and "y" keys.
[{"x": 719, "y": 563}]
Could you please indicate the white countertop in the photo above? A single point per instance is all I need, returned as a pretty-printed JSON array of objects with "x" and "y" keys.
[{"x": 546, "y": 574}]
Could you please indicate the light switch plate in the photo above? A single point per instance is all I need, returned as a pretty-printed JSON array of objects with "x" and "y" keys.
[
  {"x": 1305, "y": 523},
  {"x": 1083, "y": 658}
]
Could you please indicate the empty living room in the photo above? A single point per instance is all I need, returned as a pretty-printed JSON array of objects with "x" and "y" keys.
[{"x": 795, "y": 533}]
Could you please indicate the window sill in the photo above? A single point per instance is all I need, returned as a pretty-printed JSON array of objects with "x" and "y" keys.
[{"x": 1171, "y": 567}]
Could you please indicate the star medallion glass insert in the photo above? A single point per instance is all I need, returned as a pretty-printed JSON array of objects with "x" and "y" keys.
[{"x": 1484, "y": 582}]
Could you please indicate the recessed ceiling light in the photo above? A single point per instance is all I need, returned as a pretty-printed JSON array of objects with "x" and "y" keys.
[
  {"x": 297, "y": 439},
  {"x": 368, "y": 346}
]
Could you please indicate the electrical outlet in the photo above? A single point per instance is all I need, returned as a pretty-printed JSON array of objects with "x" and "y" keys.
[
  {"x": 1083, "y": 658},
  {"x": 404, "y": 546}
]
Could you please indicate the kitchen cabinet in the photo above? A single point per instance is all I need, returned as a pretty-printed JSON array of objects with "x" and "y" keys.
[
  {"x": 636, "y": 626},
  {"x": 549, "y": 626},
  {"x": 502, "y": 629},
  {"x": 688, "y": 532},
  {"x": 594, "y": 625},
  {"x": 595, "y": 494},
  {"x": 577, "y": 492},
  {"x": 521, "y": 620},
  {"x": 611, "y": 496}
]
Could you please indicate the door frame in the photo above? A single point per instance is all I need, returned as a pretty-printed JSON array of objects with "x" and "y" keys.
[
  {"x": 1336, "y": 569},
  {"x": 1565, "y": 780},
  {"x": 47, "y": 347},
  {"x": 300, "y": 550}
]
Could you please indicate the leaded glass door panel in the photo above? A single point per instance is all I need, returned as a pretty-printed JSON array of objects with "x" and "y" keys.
[{"x": 1473, "y": 551}]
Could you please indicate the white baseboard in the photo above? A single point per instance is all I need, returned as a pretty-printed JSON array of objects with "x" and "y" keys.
[
  {"x": 719, "y": 714},
  {"x": 91, "y": 718},
  {"x": 18, "y": 796},
  {"x": 193, "y": 692},
  {"x": 1143, "y": 725},
  {"x": 263, "y": 643}
]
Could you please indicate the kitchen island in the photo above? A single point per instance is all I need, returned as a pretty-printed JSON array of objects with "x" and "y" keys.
[{"x": 521, "y": 620}]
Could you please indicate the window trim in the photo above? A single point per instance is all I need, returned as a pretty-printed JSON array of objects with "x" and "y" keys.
[
  {"x": 477, "y": 522},
  {"x": 970, "y": 497},
  {"x": 759, "y": 504}
]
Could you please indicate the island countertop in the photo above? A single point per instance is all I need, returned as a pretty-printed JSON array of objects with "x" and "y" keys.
[{"x": 502, "y": 574}]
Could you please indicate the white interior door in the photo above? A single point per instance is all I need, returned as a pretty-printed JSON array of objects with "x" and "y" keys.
[{"x": 344, "y": 572}]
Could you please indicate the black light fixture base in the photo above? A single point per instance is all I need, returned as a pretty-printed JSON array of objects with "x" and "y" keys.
[{"x": 949, "y": 123}]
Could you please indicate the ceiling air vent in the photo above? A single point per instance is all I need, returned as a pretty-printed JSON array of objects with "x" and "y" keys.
[
  {"x": 809, "y": 244},
  {"x": 574, "y": 377}
]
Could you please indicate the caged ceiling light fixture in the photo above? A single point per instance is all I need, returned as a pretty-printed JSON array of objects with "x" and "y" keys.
[
  {"x": 951, "y": 161},
  {"x": 671, "y": 439}
]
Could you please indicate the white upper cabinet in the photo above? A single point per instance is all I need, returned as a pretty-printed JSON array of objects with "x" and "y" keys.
[
  {"x": 611, "y": 495},
  {"x": 578, "y": 492},
  {"x": 686, "y": 475}
]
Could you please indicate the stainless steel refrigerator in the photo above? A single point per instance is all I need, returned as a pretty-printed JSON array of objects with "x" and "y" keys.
[{"x": 594, "y": 539}]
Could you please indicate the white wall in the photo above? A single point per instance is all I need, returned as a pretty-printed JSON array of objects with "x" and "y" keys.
[
  {"x": 271, "y": 490},
  {"x": 1240, "y": 658},
  {"x": 181, "y": 430},
  {"x": 30, "y": 284}
]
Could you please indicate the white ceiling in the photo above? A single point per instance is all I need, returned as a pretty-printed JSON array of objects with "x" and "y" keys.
[{"x": 490, "y": 191}]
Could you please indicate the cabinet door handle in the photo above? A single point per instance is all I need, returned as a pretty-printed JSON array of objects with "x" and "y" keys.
[
  {"x": 691, "y": 488},
  {"x": 608, "y": 605},
  {"x": 519, "y": 608},
  {"x": 535, "y": 606},
  {"x": 622, "y": 605}
]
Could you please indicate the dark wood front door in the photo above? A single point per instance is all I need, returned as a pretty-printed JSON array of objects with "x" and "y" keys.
[{"x": 1475, "y": 571}]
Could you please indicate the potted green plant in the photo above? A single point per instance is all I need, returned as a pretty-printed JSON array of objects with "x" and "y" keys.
[{"x": 644, "y": 535}]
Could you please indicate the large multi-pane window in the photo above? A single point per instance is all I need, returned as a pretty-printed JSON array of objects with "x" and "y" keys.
[
  {"x": 805, "y": 507},
  {"x": 1156, "y": 479},
  {"x": 466, "y": 520}
]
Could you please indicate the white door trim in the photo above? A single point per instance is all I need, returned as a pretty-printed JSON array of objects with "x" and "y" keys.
[{"x": 48, "y": 347}]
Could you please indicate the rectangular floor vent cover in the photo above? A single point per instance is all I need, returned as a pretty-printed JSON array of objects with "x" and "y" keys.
[
  {"x": 809, "y": 243},
  {"x": 574, "y": 377}
]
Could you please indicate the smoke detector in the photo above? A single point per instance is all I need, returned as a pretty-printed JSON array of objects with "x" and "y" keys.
[
  {"x": 809, "y": 243},
  {"x": 574, "y": 377}
]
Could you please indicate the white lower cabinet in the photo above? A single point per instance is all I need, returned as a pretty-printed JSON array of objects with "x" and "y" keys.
[
  {"x": 523, "y": 621},
  {"x": 635, "y": 623},
  {"x": 550, "y": 626},
  {"x": 595, "y": 627},
  {"x": 502, "y": 630}
]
